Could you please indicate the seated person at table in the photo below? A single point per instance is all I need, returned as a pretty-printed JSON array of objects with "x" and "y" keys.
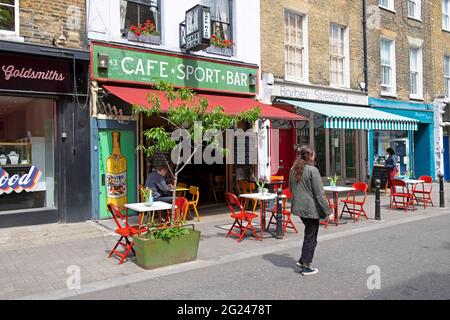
[{"x": 157, "y": 183}]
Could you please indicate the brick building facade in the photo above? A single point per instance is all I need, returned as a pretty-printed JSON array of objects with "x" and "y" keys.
[
  {"x": 44, "y": 113},
  {"x": 46, "y": 22},
  {"x": 319, "y": 15},
  {"x": 41, "y": 21},
  {"x": 441, "y": 83},
  {"x": 402, "y": 80},
  {"x": 406, "y": 32},
  {"x": 312, "y": 52}
]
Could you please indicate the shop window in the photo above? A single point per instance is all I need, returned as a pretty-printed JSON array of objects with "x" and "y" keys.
[
  {"x": 221, "y": 26},
  {"x": 27, "y": 175},
  {"x": 351, "y": 152},
  {"x": 9, "y": 16},
  {"x": 294, "y": 46},
  {"x": 135, "y": 12},
  {"x": 303, "y": 134},
  {"x": 335, "y": 152},
  {"x": 397, "y": 140},
  {"x": 320, "y": 146}
]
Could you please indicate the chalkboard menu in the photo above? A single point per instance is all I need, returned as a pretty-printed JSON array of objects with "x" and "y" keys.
[
  {"x": 381, "y": 173},
  {"x": 160, "y": 159}
]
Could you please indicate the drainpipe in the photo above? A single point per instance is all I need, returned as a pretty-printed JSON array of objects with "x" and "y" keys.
[{"x": 366, "y": 68}]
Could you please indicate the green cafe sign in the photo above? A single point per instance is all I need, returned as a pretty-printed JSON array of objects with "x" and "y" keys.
[{"x": 137, "y": 66}]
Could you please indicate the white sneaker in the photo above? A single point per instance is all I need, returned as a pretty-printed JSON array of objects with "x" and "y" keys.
[{"x": 308, "y": 271}]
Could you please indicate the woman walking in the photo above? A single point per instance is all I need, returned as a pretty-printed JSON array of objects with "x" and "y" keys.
[
  {"x": 391, "y": 164},
  {"x": 308, "y": 202}
]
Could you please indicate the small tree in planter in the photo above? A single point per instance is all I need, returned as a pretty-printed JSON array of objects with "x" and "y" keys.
[
  {"x": 166, "y": 245},
  {"x": 192, "y": 115}
]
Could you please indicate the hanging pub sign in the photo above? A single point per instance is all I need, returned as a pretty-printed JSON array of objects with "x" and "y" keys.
[
  {"x": 198, "y": 28},
  {"x": 33, "y": 73}
]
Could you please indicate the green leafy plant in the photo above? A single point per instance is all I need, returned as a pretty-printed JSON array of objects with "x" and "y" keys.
[
  {"x": 261, "y": 183},
  {"x": 166, "y": 233},
  {"x": 334, "y": 179},
  {"x": 147, "y": 193}
]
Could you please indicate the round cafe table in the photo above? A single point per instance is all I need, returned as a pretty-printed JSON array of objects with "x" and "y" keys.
[{"x": 263, "y": 198}]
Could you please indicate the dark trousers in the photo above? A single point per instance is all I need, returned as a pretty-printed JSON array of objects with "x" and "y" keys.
[{"x": 310, "y": 240}]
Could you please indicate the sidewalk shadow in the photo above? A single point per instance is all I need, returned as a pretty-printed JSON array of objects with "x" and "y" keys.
[{"x": 282, "y": 261}]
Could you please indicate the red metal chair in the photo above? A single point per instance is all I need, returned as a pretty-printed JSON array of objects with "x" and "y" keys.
[
  {"x": 422, "y": 192},
  {"x": 287, "y": 221},
  {"x": 240, "y": 217},
  {"x": 181, "y": 209},
  {"x": 354, "y": 205},
  {"x": 125, "y": 231},
  {"x": 276, "y": 186},
  {"x": 399, "y": 189},
  {"x": 332, "y": 207}
]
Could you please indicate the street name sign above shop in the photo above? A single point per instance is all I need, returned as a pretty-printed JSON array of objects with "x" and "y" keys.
[
  {"x": 198, "y": 28},
  {"x": 17, "y": 183},
  {"x": 303, "y": 92},
  {"x": 28, "y": 73},
  {"x": 145, "y": 67}
]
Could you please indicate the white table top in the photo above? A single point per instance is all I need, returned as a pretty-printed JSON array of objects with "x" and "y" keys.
[
  {"x": 258, "y": 196},
  {"x": 411, "y": 181},
  {"x": 338, "y": 189},
  {"x": 142, "y": 207}
]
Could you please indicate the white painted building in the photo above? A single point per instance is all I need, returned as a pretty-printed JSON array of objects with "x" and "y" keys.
[
  {"x": 237, "y": 20},
  {"x": 124, "y": 64}
]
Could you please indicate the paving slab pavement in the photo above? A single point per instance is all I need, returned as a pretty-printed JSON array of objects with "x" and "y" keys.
[{"x": 35, "y": 261}]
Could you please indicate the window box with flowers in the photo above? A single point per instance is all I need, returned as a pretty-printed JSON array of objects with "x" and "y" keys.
[
  {"x": 146, "y": 33},
  {"x": 220, "y": 46}
]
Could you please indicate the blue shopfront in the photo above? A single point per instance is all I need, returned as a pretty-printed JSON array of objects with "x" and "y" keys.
[{"x": 415, "y": 149}]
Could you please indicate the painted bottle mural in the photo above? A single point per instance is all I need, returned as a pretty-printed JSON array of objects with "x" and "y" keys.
[{"x": 116, "y": 174}]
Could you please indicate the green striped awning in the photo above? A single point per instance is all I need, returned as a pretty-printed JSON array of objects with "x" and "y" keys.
[{"x": 356, "y": 118}]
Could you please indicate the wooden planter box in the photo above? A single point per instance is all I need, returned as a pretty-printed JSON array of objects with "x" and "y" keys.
[
  {"x": 156, "y": 253},
  {"x": 220, "y": 51}
]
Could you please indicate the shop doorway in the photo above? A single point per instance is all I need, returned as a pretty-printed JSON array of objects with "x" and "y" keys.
[
  {"x": 287, "y": 153},
  {"x": 117, "y": 168}
]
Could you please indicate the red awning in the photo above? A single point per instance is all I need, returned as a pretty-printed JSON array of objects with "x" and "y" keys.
[{"x": 231, "y": 105}]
